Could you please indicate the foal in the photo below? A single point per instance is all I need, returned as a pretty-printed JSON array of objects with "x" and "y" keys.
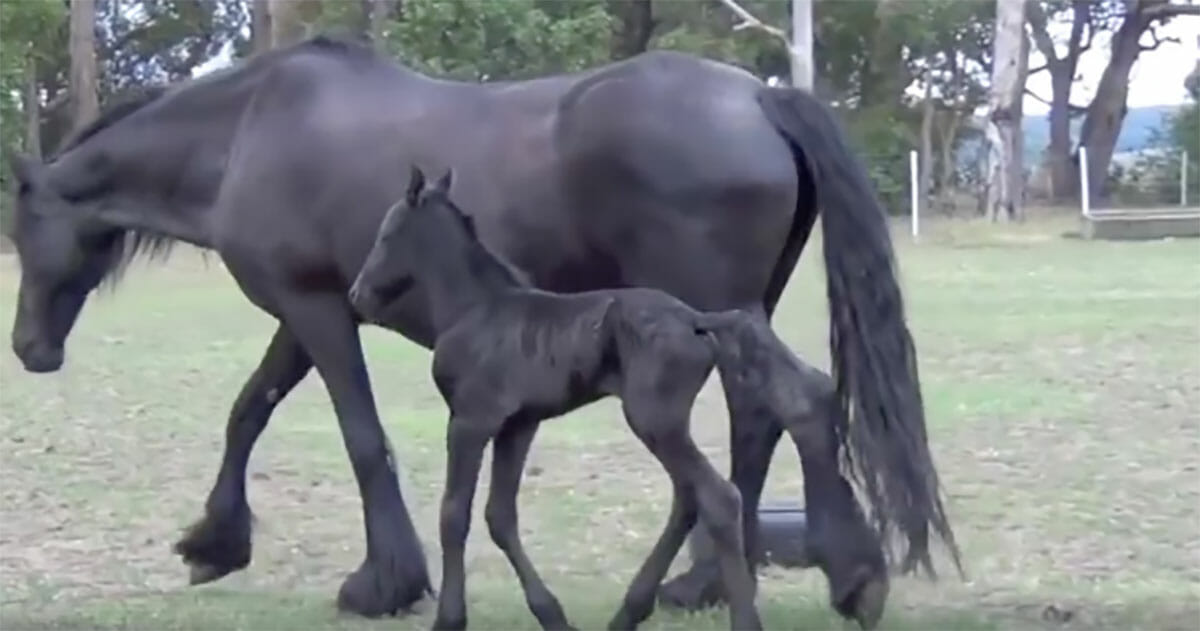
[{"x": 508, "y": 356}]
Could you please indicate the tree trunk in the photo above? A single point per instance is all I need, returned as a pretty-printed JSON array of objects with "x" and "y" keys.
[
  {"x": 292, "y": 20},
  {"x": 925, "y": 159},
  {"x": 633, "y": 26},
  {"x": 1058, "y": 152},
  {"x": 947, "y": 136},
  {"x": 31, "y": 107},
  {"x": 1106, "y": 113},
  {"x": 376, "y": 21},
  {"x": 85, "y": 104},
  {"x": 885, "y": 80},
  {"x": 1005, "y": 146},
  {"x": 260, "y": 25},
  {"x": 800, "y": 50},
  {"x": 1057, "y": 160}
]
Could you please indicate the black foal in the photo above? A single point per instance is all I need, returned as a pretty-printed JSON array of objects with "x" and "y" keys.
[{"x": 509, "y": 356}]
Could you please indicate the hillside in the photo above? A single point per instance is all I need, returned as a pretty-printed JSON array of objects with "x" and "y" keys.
[{"x": 1137, "y": 132}]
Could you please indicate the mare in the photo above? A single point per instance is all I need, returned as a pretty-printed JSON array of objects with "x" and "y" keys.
[
  {"x": 508, "y": 356},
  {"x": 663, "y": 170}
]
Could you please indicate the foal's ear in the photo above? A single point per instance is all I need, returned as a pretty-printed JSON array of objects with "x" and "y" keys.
[
  {"x": 443, "y": 183},
  {"x": 416, "y": 183}
]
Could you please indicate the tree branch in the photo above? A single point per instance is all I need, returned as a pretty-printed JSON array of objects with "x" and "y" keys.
[
  {"x": 1158, "y": 41},
  {"x": 1073, "y": 109},
  {"x": 1168, "y": 10},
  {"x": 1036, "y": 18},
  {"x": 1035, "y": 70},
  {"x": 749, "y": 21}
]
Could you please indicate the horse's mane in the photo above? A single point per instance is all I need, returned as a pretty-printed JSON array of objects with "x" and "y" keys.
[
  {"x": 135, "y": 99},
  {"x": 133, "y": 243}
]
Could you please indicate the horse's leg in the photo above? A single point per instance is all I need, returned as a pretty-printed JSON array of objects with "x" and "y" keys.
[
  {"x": 466, "y": 439},
  {"x": 753, "y": 436},
  {"x": 837, "y": 536},
  {"x": 219, "y": 543},
  {"x": 394, "y": 575},
  {"x": 665, "y": 433},
  {"x": 509, "y": 451}
]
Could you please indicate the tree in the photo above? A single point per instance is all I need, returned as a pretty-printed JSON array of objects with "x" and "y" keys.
[
  {"x": 1088, "y": 17},
  {"x": 1004, "y": 134},
  {"x": 633, "y": 26},
  {"x": 85, "y": 99},
  {"x": 1105, "y": 114}
]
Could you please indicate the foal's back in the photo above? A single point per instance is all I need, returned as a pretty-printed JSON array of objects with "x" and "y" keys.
[
  {"x": 527, "y": 352},
  {"x": 544, "y": 354}
]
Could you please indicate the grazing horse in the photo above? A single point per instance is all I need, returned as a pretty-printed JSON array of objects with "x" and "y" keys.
[
  {"x": 663, "y": 170},
  {"x": 508, "y": 356}
]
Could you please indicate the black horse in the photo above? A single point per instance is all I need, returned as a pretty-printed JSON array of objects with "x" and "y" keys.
[
  {"x": 508, "y": 356},
  {"x": 663, "y": 171}
]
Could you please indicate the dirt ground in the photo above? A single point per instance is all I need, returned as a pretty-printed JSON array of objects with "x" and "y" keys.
[{"x": 1062, "y": 380}]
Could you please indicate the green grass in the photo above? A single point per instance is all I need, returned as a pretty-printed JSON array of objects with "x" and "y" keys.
[{"x": 1062, "y": 380}]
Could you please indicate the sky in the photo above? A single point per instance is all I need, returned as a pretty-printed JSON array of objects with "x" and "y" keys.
[{"x": 1157, "y": 78}]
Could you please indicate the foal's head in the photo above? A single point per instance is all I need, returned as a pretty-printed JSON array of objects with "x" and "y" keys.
[{"x": 423, "y": 231}]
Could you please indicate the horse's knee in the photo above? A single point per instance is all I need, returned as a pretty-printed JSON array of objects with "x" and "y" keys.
[
  {"x": 721, "y": 503},
  {"x": 501, "y": 519}
]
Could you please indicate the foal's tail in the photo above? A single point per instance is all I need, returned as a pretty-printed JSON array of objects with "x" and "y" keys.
[{"x": 882, "y": 425}]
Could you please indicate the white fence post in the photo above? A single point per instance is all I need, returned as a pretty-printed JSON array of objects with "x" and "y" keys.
[
  {"x": 914, "y": 176},
  {"x": 1183, "y": 173},
  {"x": 1085, "y": 202}
]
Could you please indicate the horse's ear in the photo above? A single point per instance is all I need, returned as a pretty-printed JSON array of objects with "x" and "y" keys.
[
  {"x": 24, "y": 168},
  {"x": 416, "y": 183},
  {"x": 443, "y": 183}
]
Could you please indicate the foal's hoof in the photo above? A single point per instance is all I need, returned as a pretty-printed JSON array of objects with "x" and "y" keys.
[
  {"x": 449, "y": 624},
  {"x": 379, "y": 589},
  {"x": 201, "y": 573},
  {"x": 696, "y": 589},
  {"x": 865, "y": 602}
]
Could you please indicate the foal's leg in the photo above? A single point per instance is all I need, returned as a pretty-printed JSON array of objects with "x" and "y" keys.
[
  {"x": 466, "y": 439},
  {"x": 664, "y": 429},
  {"x": 394, "y": 575},
  {"x": 220, "y": 542},
  {"x": 509, "y": 451},
  {"x": 752, "y": 441}
]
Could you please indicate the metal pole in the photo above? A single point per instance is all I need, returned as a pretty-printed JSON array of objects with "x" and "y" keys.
[
  {"x": 802, "y": 44},
  {"x": 1183, "y": 169},
  {"x": 914, "y": 176},
  {"x": 1085, "y": 202}
]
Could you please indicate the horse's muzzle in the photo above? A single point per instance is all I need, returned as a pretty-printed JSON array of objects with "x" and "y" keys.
[{"x": 37, "y": 357}]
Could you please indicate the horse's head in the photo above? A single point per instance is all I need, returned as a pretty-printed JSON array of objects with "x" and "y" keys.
[
  {"x": 413, "y": 229},
  {"x": 64, "y": 254}
]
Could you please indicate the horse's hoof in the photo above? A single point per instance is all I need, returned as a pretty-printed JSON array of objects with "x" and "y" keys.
[
  {"x": 694, "y": 590},
  {"x": 379, "y": 589},
  {"x": 866, "y": 603},
  {"x": 216, "y": 546}
]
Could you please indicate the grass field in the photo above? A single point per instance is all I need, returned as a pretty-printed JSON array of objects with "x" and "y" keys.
[{"x": 1062, "y": 380}]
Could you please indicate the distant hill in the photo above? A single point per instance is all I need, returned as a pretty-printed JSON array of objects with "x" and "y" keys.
[{"x": 1137, "y": 132}]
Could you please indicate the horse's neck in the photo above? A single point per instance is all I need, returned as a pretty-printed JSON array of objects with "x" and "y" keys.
[
  {"x": 146, "y": 189},
  {"x": 455, "y": 286}
]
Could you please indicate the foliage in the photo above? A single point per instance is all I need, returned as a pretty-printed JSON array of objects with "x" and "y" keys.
[{"x": 464, "y": 39}]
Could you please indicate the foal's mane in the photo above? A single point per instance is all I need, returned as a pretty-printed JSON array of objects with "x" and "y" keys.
[
  {"x": 133, "y": 243},
  {"x": 482, "y": 261}
]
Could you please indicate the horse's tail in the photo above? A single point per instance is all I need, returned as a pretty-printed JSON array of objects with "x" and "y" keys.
[{"x": 881, "y": 427}]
